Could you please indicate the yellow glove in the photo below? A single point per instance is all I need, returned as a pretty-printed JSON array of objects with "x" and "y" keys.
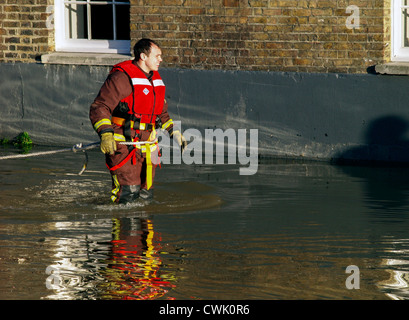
[
  {"x": 108, "y": 144},
  {"x": 180, "y": 139}
]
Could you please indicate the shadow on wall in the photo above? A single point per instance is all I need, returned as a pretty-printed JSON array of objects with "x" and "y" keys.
[
  {"x": 383, "y": 165},
  {"x": 386, "y": 144}
]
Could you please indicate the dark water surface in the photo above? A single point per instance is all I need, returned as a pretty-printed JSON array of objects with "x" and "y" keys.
[{"x": 288, "y": 232}]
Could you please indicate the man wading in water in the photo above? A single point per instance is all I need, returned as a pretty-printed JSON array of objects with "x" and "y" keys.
[{"x": 130, "y": 107}]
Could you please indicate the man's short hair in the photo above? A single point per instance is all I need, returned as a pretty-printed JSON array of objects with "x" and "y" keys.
[{"x": 143, "y": 46}]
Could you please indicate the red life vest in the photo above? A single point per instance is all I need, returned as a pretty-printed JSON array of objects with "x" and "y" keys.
[{"x": 146, "y": 101}]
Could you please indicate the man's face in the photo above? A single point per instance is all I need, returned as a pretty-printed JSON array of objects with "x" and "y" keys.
[{"x": 153, "y": 60}]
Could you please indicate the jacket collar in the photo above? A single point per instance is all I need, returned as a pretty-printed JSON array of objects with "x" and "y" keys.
[{"x": 148, "y": 75}]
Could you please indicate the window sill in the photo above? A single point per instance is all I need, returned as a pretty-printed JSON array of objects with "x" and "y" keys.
[
  {"x": 94, "y": 59},
  {"x": 393, "y": 68}
]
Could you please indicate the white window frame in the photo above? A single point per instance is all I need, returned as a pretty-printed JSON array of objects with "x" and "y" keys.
[
  {"x": 399, "y": 51},
  {"x": 83, "y": 45}
]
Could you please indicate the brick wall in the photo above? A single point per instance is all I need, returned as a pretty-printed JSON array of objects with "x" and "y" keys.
[
  {"x": 284, "y": 35},
  {"x": 268, "y": 35},
  {"x": 24, "y": 35},
  {"x": 387, "y": 4}
]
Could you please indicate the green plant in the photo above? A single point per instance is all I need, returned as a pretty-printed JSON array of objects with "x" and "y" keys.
[
  {"x": 4, "y": 141},
  {"x": 23, "y": 141}
]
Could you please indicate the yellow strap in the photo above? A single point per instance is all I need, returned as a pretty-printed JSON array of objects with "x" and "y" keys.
[
  {"x": 148, "y": 167},
  {"x": 151, "y": 147},
  {"x": 152, "y": 136},
  {"x": 116, "y": 189}
]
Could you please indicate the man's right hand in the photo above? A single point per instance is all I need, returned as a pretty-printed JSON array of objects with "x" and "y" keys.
[
  {"x": 180, "y": 139},
  {"x": 108, "y": 144}
]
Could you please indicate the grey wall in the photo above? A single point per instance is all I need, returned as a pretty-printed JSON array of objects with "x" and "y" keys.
[{"x": 319, "y": 116}]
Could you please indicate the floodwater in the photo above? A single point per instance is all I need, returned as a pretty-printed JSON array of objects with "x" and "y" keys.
[{"x": 288, "y": 232}]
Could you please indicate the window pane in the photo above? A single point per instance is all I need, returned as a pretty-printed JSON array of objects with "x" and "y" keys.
[
  {"x": 102, "y": 26},
  {"x": 122, "y": 22},
  {"x": 94, "y": 19},
  {"x": 76, "y": 17}
]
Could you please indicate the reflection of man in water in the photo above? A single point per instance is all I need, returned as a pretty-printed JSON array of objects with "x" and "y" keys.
[{"x": 133, "y": 270}]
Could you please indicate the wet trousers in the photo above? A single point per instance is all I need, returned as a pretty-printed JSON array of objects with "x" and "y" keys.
[{"x": 129, "y": 179}]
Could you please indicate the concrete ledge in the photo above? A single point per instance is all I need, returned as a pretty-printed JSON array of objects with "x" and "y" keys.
[
  {"x": 393, "y": 68},
  {"x": 96, "y": 59}
]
